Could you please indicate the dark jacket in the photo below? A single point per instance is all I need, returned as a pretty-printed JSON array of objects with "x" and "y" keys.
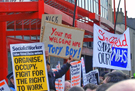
[{"x": 57, "y": 74}]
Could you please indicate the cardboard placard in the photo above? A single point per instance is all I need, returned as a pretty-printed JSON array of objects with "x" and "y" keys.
[
  {"x": 61, "y": 40},
  {"x": 49, "y": 17},
  {"x": 29, "y": 67}
]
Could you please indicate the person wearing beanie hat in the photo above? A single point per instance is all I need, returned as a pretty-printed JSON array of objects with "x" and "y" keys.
[{"x": 10, "y": 77}]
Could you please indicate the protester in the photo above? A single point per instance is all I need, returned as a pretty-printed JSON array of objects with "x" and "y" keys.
[
  {"x": 76, "y": 88},
  {"x": 104, "y": 87},
  {"x": 102, "y": 75},
  {"x": 127, "y": 85},
  {"x": 52, "y": 76},
  {"x": 67, "y": 85},
  {"x": 114, "y": 77},
  {"x": 10, "y": 77},
  {"x": 90, "y": 87}
]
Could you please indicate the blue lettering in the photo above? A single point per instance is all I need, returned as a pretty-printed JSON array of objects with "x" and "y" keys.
[
  {"x": 71, "y": 51},
  {"x": 57, "y": 48},
  {"x": 67, "y": 51},
  {"x": 53, "y": 50},
  {"x": 75, "y": 51},
  {"x": 119, "y": 57},
  {"x": 50, "y": 45},
  {"x": 60, "y": 50}
]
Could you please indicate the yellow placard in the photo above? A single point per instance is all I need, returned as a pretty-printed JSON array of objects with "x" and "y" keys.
[{"x": 29, "y": 68}]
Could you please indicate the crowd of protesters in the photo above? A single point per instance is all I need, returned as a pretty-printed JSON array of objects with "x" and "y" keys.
[{"x": 115, "y": 80}]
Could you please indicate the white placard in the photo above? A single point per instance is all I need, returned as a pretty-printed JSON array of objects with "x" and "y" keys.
[
  {"x": 4, "y": 86},
  {"x": 75, "y": 71},
  {"x": 111, "y": 50}
]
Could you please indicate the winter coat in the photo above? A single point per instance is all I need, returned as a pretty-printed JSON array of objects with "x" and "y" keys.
[{"x": 52, "y": 76}]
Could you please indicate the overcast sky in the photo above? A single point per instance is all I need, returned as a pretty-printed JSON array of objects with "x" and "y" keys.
[{"x": 130, "y": 7}]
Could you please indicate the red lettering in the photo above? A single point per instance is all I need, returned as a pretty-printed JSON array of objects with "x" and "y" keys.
[
  {"x": 69, "y": 36},
  {"x": 102, "y": 35},
  {"x": 118, "y": 43},
  {"x": 59, "y": 40},
  {"x": 76, "y": 44},
  {"x": 58, "y": 33},
  {"x": 124, "y": 42},
  {"x": 51, "y": 38},
  {"x": 112, "y": 40},
  {"x": 53, "y": 30},
  {"x": 56, "y": 40}
]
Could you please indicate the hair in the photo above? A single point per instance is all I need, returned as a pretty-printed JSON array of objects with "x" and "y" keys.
[
  {"x": 104, "y": 87},
  {"x": 76, "y": 88},
  {"x": 90, "y": 86},
  {"x": 116, "y": 77}
]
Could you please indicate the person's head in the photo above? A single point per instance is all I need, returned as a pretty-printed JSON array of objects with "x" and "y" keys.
[
  {"x": 76, "y": 88},
  {"x": 104, "y": 87},
  {"x": 46, "y": 54},
  {"x": 47, "y": 62},
  {"x": 114, "y": 77},
  {"x": 48, "y": 65},
  {"x": 10, "y": 77},
  {"x": 90, "y": 87},
  {"x": 67, "y": 85},
  {"x": 102, "y": 75},
  {"x": 126, "y": 85}
]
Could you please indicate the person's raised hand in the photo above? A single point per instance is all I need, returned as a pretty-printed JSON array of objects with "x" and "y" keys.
[{"x": 70, "y": 59}]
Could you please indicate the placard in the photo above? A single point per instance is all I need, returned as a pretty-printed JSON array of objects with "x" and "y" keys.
[
  {"x": 29, "y": 67},
  {"x": 62, "y": 41},
  {"x": 49, "y": 17},
  {"x": 4, "y": 86},
  {"x": 93, "y": 77},
  {"x": 60, "y": 82},
  {"x": 75, "y": 71},
  {"x": 111, "y": 50},
  {"x": 85, "y": 81}
]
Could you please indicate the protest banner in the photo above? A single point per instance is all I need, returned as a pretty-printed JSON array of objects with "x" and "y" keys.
[
  {"x": 4, "y": 86},
  {"x": 75, "y": 71},
  {"x": 29, "y": 67},
  {"x": 93, "y": 77},
  {"x": 61, "y": 40},
  {"x": 85, "y": 81},
  {"x": 111, "y": 50},
  {"x": 49, "y": 17}
]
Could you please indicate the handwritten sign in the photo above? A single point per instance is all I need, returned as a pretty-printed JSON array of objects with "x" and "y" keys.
[
  {"x": 93, "y": 77},
  {"x": 62, "y": 41},
  {"x": 49, "y": 17},
  {"x": 111, "y": 50},
  {"x": 29, "y": 67},
  {"x": 4, "y": 86},
  {"x": 75, "y": 71}
]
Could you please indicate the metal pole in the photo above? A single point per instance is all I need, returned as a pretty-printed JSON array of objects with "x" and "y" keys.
[
  {"x": 74, "y": 13},
  {"x": 117, "y": 16},
  {"x": 125, "y": 15},
  {"x": 114, "y": 13}
]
